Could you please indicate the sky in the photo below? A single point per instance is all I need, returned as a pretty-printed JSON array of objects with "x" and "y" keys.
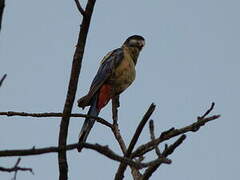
[{"x": 191, "y": 59}]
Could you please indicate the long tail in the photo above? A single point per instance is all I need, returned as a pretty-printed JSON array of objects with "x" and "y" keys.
[{"x": 89, "y": 122}]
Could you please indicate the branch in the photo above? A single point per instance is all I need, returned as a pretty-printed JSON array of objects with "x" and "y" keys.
[
  {"x": 5, "y": 75},
  {"x": 115, "y": 129},
  {"x": 81, "y": 10},
  {"x": 15, "y": 169},
  {"x": 172, "y": 133},
  {"x": 152, "y": 135},
  {"x": 168, "y": 150},
  {"x": 2, "y": 5},
  {"x": 105, "y": 150},
  {"x": 53, "y": 114},
  {"x": 72, "y": 88},
  {"x": 122, "y": 167}
]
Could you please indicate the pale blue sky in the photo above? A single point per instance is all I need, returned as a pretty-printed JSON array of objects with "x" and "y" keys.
[{"x": 191, "y": 58}]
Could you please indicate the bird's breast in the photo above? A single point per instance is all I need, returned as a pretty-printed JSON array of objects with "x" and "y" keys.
[{"x": 124, "y": 75}]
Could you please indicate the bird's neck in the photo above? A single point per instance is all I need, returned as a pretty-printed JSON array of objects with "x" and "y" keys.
[{"x": 133, "y": 52}]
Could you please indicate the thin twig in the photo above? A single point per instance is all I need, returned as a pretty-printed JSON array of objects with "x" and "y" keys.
[
  {"x": 168, "y": 150},
  {"x": 152, "y": 135},
  {"x": 208, "y": 111},
  {"x": 2, "y": 79},
  {"x": 81, "y": 10},
  {"x": 151, "y": 144},
  {"x": 175, "y": 132},
  {"x": 15, "y": 169},
  {"x": 72, "y": 88},
  {"x": 54, "y": 114},
  {"x": 122, "y": 167}
]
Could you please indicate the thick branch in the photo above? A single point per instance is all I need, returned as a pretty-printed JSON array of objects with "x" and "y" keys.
[
  {"x": 72, "y": 88},
  {"x": 53, "y": 114},
  {"x": 122, "y": 167},
  {"x": 105, "y": 150}
]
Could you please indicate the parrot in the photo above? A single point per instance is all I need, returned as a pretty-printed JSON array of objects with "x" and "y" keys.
[{"x": 115, "y": 74}]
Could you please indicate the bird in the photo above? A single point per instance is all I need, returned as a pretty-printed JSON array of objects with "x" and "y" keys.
[{"x": 115, "y": 74}]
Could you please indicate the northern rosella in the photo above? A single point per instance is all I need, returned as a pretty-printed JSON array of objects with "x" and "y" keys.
[{"x": 115, "y": 74}]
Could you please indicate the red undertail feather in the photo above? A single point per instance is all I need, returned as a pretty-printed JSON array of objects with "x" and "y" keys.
[{"x": 104, "y": 96}]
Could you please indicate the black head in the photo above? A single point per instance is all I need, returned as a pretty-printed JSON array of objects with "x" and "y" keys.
[{"x": 135, "y": 41}]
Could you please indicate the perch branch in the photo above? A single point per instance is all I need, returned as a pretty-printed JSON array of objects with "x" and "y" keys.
[{"x": 115, "y": 129}]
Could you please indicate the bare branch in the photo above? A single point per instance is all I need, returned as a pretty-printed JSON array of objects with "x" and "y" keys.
[
  {"x": 115, "y": 129},
  {"x": 118, "y": 137},
  {"x": 208, "y": 111},
  {"x": 122, "y": 167},
  {"x": 53, "y": 114},
  {"x": 152, "y": 134},
  {"x": 3, "y": 78},
  {"x": 2, "y": 5},
  {"x": 115, "y": 105},
  {"x": 150, "y": 145},
  {"x": 81, "y": 10},
  {"x": 15, "y": 169},
  {"x": 172, "y": 133},
  {"x": 168, "y": 150},
  {"x": 96, "y": 147},
  {"x": 72, "y": 88}
]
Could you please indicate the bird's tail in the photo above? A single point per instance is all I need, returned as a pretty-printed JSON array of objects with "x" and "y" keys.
[{"x": 89, "y": 122}]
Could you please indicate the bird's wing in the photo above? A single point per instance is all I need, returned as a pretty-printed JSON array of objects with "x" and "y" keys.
[{"x": 107, "y": 67}]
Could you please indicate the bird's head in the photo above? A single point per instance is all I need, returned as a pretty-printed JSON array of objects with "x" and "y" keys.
[{"x": 135, "y": 41}]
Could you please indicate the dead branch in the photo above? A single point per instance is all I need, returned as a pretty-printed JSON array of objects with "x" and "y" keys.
[
  {"x": 115, "y": 129},
  {"x": 5, "y": 75},
  {"x": 53, "y": 114},
  {"x": 172, "y": 133},
  {"x": 72, "y": 88},
  {"x": 122, "y": 167},
  {"x": 2, "y": 5},
  {"x": 15, "y": 169},
  {"x": 80, "y": 9},
  {"x": 104, "y": 150},
  {"x": 152, "y": 135},
  {"x": 168, "y": 150}
]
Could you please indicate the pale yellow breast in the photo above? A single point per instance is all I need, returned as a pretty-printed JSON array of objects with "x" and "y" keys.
[{"x": 124, "y": 74}]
